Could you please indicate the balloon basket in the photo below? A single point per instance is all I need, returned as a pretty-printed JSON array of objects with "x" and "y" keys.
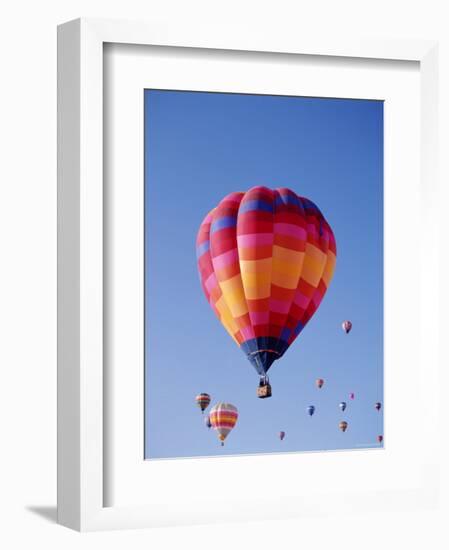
[{"x": 264, "y": 391}]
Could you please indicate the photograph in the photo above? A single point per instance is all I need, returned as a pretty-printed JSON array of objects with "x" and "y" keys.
[{"x": 263, "y": 274}]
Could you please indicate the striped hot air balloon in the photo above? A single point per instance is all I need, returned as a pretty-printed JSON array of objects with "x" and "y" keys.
[
  {"x": 265, "y": 258},
  {"x": 202, "y": 400},
  {"x": 223, "y": 417}
]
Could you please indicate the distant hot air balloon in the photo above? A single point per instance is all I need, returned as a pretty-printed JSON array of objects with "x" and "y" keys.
[
  {"x": 380, "y": 438},
  {"x": 319, "y": 382},
  {"x": 342, "y": 406},
  {"x": 281, "y": 435},
  {"x": 203, "y": 400},
  {"x": 266, "y": 258},
  {"x": 310, "y": 410},
  {"x": 343, "y": 425},
  {"x": 346, "y": 326},
  {"x": 378, "y": 406},
  {"x": 207, "y": 421},
  {"x": 223, "y": 417},
  {"x": 351, "y": 395}
]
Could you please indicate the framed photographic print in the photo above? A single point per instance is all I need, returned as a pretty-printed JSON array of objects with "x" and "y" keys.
[{"x": 243, "y": 284}]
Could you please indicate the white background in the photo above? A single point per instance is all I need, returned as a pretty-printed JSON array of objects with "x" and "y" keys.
[{"x": 28, "y": 271}]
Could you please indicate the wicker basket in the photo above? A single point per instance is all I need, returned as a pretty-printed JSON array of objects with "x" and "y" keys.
[{"x": 264, "y": 391}]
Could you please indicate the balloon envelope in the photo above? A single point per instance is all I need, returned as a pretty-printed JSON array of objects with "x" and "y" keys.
[
  {"x": 207, "y": 421},
  {"x": 380, "y": 438},
  {"x": 265, "y": 258},
  {"x": 343, "y": 426},
  {"x": 310, "y": 410},
  {"x": 342, "y": 406},
  {"x": 319, "y": 382},
  {"x": 346, "y": 326},
  {"x": 223, "y": 417},
  {"x": 281, "y": 435},
  {"x": 203, "y": 400},
  {"x": 378, "y": 406},
  {"x": 351, "y": 395}
]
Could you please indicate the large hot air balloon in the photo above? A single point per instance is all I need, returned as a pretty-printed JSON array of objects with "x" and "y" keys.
[
  {"x": 346, "y": 326},
  {"x": 310, "y": 410},
  {"x": 343, "y": 425},
  {"x": 265, "y": 258},
  {"x": 319, "y": 382},
  {"x": 223, "y": 417},
  {"x": 281, "y": 435},
  {"x": 202, "y": 400},
  {"x": 342, "y": 406},
  {"x": 378, "y": 406}
]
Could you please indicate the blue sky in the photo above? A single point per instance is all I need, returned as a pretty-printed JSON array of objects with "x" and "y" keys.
[{"x": 200, "y": 147}]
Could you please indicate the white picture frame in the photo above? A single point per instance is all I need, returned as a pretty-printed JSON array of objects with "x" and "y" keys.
[{"x": 81, "y": 405}]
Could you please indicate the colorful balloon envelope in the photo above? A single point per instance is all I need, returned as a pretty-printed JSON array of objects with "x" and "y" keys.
[
  {"x": 207, "y": 421},
  {"x": 380, "y": 438},
  {"x": 342, "y": 406},
  {"x": 319, "y": 382},
  {"x": 223, "y": 417},
  {"x": 343, "y": 425},
  {"x": 352, "y": 395},
  {"x": 378, "y": 406},
  {"x": 346, "y": 326},
  {"x": 203, "y": 400},
  {"x": 310, "y": 410},
  {"x": 265, "y": 258},
  {"x": 281, "y": 435}
]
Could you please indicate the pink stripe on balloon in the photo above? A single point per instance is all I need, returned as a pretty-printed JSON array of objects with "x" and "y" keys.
[
  {"x": 259, "y": 317},
  {"x": 211, "y": 282},
  {"x": 207, "y": 219},
  {"x": 279, "y": 306},
  {"x": 247, "y": 333},
  {"x": 317, "y": 297},
  {"x": 225, "y": 259},
  {"x": 301, "y": 300},
  {"x": 254, "y": 239},
  {"x": 233, "y": 197},
  {"x": 290, "y": 230}
]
